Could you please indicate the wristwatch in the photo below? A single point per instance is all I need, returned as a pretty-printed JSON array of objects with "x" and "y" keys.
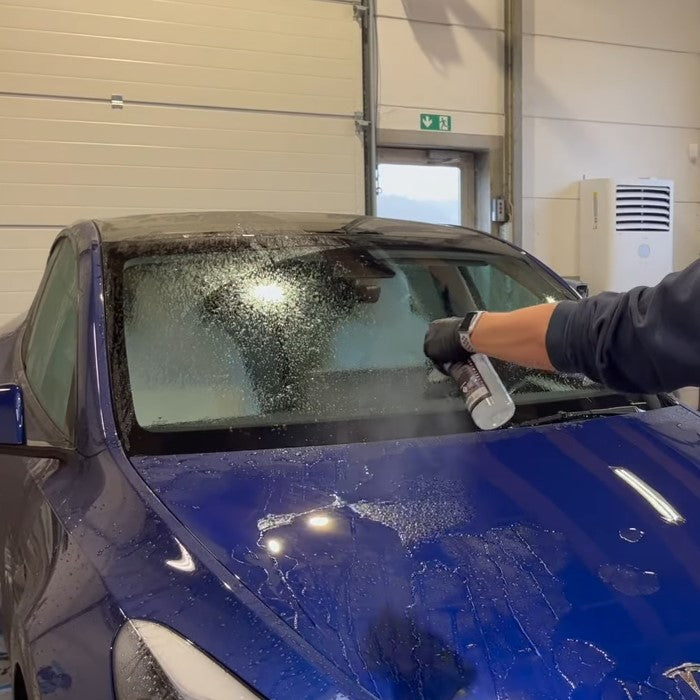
[{"x": 466, "y": 328}]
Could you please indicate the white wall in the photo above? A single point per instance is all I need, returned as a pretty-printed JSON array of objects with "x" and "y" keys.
[
  {"x": 444, "y": 57},
  {"x": 611, "y": 88}
]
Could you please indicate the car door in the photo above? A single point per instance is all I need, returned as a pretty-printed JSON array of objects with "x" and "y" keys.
[{"x": 45, "y": 367}]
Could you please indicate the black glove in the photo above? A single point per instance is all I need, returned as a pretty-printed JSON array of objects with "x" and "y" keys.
[{"x": 442, "y": 344}]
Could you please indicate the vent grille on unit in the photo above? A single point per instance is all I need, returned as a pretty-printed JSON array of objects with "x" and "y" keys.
[{"x": 643, "y": 208}]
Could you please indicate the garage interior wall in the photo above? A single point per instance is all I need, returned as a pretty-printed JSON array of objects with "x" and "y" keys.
[
  {"x": 443, "y": 57},
  {"x": 242, "y": 104},
  {"x": 610, "y": 89}
]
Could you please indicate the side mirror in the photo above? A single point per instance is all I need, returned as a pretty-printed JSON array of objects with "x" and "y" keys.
[{"x": 11, "y": 415}]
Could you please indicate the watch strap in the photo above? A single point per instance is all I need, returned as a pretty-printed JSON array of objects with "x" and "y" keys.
[{"x": 467, "y": 328}]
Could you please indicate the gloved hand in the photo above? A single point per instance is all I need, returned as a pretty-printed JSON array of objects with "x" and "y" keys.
[{"x": 442, "y": 344}]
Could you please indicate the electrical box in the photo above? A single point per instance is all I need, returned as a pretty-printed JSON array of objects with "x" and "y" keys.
[{"x": 625, "y": 233}]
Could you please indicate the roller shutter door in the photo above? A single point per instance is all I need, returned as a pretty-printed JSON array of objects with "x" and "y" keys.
[{"x": 165, "y": 105}]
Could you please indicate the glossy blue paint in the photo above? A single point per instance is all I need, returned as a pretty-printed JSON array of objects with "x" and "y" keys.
[
  {"x": 11, "y": 415},
  {"x": 87, "y": 545},
  {"x": 494, "y": 562},
  {"x": 512, "y": 564}
]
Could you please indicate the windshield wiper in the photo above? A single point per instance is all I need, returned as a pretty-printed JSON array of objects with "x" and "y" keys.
[{"x": 566, "y": 416}]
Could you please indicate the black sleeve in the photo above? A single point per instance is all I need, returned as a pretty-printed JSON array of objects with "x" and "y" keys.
[{"x": 644, "y": 341}]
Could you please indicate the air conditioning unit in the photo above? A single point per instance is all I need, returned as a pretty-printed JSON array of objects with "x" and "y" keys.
[{"x": 625, "y": 233}]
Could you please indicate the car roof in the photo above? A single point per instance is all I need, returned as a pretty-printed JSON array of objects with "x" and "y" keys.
[{"x": 153, "y": 226}]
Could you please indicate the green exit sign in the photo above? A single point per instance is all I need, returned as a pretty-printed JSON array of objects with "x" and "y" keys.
[{"x": 435, "y": 122}]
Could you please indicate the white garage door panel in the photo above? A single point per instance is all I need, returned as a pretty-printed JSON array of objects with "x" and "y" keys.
[
  {"x": 14, "y": 303},
  {"x": 73, "y": 122},
  {"x": 23, "y": 253},
  {"x": 38, "y": 174},
  {"x": 228, "y": 104},
  {"x": 26, "y": 248},
  {"x": 61, "y": 160},
  {"x": 173, "y": 157},
  {"x": 93, "y": 199},
  {"x": 19, "y": 280},
  {"x": 66, "y": 206},
  {"x": 26, "y": 259},
  {"x": 46, "y": 74},
  {"x": 130, "y": 30},
  {"x": 307, "y": 18},
  {"x": 43, "y": 215},
  {"x": 264, "y": 76},
  {"x": 176, "y": 54}
]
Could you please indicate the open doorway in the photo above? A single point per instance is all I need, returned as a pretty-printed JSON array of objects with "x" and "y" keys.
[{"x": 435, "y": 186}]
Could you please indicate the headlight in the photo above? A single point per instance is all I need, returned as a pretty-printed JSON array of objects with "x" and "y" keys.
[{"x": 151, "y": 662}]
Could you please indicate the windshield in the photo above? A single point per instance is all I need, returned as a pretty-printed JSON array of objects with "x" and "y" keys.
[{"x": 309, "y": 339}]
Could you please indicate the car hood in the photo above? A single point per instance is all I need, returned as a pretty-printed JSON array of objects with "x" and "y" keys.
[{"x": 524, "y": 563}]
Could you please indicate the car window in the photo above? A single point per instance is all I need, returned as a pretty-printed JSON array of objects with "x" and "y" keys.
[
  {"x": 51, "y": 350},
  {"x": 498, "y": 289},
  {"x": 309, "y": 334}
]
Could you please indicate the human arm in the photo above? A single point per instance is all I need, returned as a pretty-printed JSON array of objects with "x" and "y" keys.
[
  {"x": 643, "y": 341},
  {"x": 646, "y": 340},
  {"x": 517, "y": 336}
]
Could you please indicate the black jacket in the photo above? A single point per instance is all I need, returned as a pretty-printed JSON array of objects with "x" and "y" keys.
[{"x": 644, "y": 341}]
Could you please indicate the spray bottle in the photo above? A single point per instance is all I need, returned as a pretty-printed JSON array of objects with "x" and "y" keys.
[{"x": 487, "y": 400}]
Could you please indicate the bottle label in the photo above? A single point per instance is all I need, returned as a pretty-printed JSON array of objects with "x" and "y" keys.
[{"x": 470, "y": 384}]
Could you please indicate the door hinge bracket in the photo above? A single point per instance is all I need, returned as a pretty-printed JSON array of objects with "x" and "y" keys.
[
  {"x": 361, "y": 124},
  {"x": 359, "y": 12}
]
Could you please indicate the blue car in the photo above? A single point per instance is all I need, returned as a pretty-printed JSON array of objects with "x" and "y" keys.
[{"x": 229, "y": 472}]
